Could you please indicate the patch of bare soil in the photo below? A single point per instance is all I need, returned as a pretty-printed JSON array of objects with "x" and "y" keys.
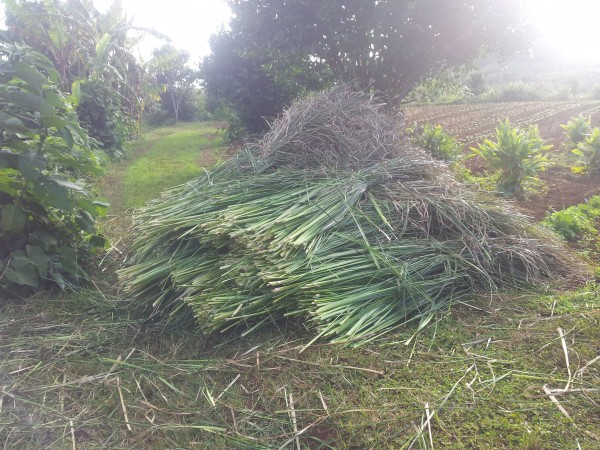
[{"x": 564, "y": 189}]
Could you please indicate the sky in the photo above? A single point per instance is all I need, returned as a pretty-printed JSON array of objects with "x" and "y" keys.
[
  {"x": 189, "y": 23},
  {"x": 570, "y": 28}
]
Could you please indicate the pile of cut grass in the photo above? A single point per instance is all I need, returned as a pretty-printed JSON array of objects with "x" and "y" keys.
[{"x": 303, "y": 224}]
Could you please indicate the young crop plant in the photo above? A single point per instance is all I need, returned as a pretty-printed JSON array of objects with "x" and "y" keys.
[
  {"x": 578, "y": 223},
  {"x": 47, "y": 217},
  {"x": 589, "y": 153},
  {"x": 517, "y": 154},
  {"x": 576, "y": 131},
  {"x": 436, "y": 141}
]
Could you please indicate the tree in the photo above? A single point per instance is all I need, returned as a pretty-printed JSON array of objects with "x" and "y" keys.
[
  {"x": 86, "y": 45},
  {"x": 177, "y": 80},
  {"x": 386, "y": 46}
]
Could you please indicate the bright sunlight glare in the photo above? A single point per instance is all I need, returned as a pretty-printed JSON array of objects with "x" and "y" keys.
[
  {"x": 568, "y": 29},
  {"x": 189, "y": 23}
]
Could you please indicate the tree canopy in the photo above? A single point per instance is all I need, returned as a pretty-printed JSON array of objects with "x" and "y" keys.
[{"x": 386, "y": 46}]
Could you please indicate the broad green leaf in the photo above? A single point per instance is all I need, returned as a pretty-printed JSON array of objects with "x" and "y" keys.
[
  {"x": 53, "y": 121},
  {"x": 76, "y": 92},
  {"x": 51, "y": 193},
  {"x": 62, "y": 181},
  {"x": 101, "y": 47},
  {"x": 30, "y": 75},
  {"x": 86, "y": 221},
  {"x": 31, "y": 165},
  {"x": 578, "y": 152},
  {"x": 54, "y": 99},
  {"x": 12, "y": 218},
  {"x": 65, "y": 133},
  {"x": 13, "y": 124},
  {"x": 38, "y": 256},
  {"x": 24, "y": 275},
  {"x": 94, "y": 207},
  {"x": 27, "y": 100}
]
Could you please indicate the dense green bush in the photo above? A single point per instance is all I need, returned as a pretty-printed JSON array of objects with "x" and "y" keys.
[
  {"x": 517, "y": 154},
  {"x": 577, "y": 222},
  {"x": 515, "y": 92},
  {"x": 47, "y": 216},
  {"x": 101, "y": 114}
]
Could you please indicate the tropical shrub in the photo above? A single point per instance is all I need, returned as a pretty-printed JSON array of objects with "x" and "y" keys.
[
  {"x": 47, "y": 216},
  {"x": 517, "y": 154},
  {"x": 101, "y": 114},
  {"x": 589, "y": 152},
  {"x": 577, "y": 222},
  {"x": 435, "y": 141},
  {"x": 576, "y": 131}
]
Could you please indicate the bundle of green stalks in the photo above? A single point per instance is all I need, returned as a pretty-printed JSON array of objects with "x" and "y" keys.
[{"x": 303, "y": 225}]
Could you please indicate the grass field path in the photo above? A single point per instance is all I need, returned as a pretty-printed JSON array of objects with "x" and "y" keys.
[{"x": 161, "y": 159}]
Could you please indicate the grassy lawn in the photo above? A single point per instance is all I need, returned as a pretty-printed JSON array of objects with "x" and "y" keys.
[
  {"x": 83, "y": 371},
  {"x": 162, "y": 158}
]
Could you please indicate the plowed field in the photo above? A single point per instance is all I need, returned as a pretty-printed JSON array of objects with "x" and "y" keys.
[{"x": 473, "y": 123}]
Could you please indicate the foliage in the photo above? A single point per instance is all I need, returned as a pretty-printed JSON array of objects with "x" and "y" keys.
[
  {"x": 589, "y": 152},
  {"x": 516, "y": 91},
  {"x": 576, "y": 131},
  {"x": 382, "y": 46},
  {"x": 329, "y": 218},
  {"x": 437, "y": 142},
  {"x": 441, "y": 88},
  {"x": 577, "y": 222},
  {"x": 46, "y": 214},
  {"x": 516, "y": 153},
  {"x": 240, "y": 78},
  {"x": 85, "y": 44},
  {"x": 476, "y": 83},
  {"x": 175, "y": 81},
  {"x": 101, "y": 114}
]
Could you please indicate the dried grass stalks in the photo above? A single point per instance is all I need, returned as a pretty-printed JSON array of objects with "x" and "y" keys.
[{"x": 356, "y": 245}]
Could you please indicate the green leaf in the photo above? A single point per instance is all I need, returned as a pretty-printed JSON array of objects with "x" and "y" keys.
[
  {"x": 75, "y": 92},
  {"x": 62, "y": 181},
  {"x": 53, "y": 121},
  {"x": 24, "y": 275},
  {"x": 13, "y": 124},
  {"x": 27, "y": 100},
  {"x": 31, "y": 165},
  {"x": 578, "y": 152},
  {"x": 65, "y": 133},
  {"x": 12, "y": 218},
  {"x": 51, "y": 193},
  {"x": 38, "y": 256},
  {"x": 31, "y": 76},
  {"x": 94, "y": 207},
  {"x": 101, "y": 47},
  {"x": 86, "y": 221}
]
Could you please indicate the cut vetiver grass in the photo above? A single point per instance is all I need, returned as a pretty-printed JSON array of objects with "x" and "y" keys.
[{"x": 357, "y": 247}]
